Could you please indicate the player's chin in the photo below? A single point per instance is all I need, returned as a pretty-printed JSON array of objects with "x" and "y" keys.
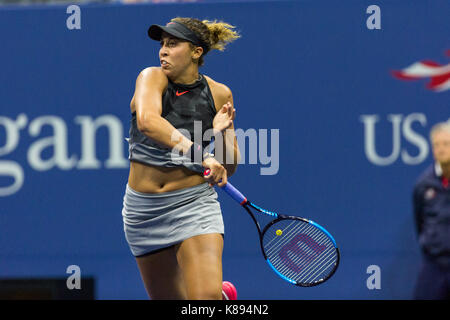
[
  {"x": 166, "y": 70},
  {"x": 171, "y": 72}
]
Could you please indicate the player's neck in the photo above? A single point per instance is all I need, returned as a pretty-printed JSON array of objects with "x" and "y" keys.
[{"x": 190, "y": 76}]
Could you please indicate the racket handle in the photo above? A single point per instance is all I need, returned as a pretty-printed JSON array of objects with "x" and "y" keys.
[{"x": 232, "y": 191}]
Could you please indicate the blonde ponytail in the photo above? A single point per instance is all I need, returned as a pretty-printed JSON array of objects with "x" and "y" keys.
[
  {"x": 221, "y": 33},
  {"x": 215, "y": 34}
]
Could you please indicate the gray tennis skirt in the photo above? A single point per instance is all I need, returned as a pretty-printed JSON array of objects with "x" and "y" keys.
[{"x": 154, "y": 221}]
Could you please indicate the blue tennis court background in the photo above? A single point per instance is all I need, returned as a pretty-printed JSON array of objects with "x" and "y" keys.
[{"x": 310, "y": 69}]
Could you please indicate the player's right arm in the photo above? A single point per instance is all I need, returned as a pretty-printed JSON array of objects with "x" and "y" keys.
[{"x": 150, "y": 86}]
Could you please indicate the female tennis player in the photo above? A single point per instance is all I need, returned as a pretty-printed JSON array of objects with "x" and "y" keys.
[{"x": 172, "y": 218}]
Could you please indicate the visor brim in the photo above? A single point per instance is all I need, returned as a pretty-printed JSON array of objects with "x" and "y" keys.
[{"x": 155, "y": 32}]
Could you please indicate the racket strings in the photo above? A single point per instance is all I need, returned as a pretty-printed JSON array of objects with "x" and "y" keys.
[
  {"x": 287, "y": 236},
  {"x": 300, "y": 260},
  {"x": 307, "y": 268},
  {"x": 299, "y": 263},
  {"x": 304, "y": 271},
  {"x": 284, "y": 231},
  {"x": 294, "y": 226},
  {"x": 316, "y": 271},
  {"x": 311, "y": 272},
  {"x": 302, "y": 252}
]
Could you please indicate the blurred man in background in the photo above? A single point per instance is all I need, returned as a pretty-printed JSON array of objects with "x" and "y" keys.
[{"x": 432, "y": 216}]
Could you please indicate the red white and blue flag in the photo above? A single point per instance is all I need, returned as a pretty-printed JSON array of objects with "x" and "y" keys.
[{"x": 439, "y": 74}]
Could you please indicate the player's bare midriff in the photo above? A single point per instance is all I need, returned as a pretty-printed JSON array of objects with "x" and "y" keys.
[{"x": 154, "y": 179}]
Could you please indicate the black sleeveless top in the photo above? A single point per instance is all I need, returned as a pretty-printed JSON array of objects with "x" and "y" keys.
[{"x": 188, "y": 108}]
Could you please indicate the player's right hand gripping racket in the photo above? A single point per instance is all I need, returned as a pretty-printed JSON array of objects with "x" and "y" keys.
[{"x": 300, "y": 251}]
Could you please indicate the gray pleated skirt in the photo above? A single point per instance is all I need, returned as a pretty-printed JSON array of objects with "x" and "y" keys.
[{"x": 153, "y": 221}]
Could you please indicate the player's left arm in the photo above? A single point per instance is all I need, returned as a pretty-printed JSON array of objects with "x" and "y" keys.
[{"x": 227, "y": 149}]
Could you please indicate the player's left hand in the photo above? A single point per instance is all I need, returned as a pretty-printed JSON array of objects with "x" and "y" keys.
[
  {"x": 224, "y": 118},
  {"x": 214, "y": 172}
]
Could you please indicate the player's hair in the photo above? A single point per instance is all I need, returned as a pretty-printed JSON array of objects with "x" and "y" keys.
[
  {"x": 215, "y": 34},
  {"x": 438, "y": 127}
]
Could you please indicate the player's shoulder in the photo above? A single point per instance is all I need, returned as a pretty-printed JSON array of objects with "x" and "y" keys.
[
  {"x": 152, "y": 74},
  {"x": 219, "y": 89}
]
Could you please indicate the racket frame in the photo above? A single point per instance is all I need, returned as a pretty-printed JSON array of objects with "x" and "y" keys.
[
  {"x": 280, "y": 217},
  {"x": 243, "y": 201}
]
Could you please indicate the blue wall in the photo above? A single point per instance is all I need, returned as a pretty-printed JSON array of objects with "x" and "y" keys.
[{"x": 311, "y": 69}]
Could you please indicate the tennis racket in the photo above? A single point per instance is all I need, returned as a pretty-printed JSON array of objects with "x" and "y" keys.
[{"x": 300, "y": 251}]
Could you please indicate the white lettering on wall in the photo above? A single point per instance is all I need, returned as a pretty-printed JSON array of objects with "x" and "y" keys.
[
  {"x": 56, "y": 146},
  {"x": 402, "y": 127}
]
